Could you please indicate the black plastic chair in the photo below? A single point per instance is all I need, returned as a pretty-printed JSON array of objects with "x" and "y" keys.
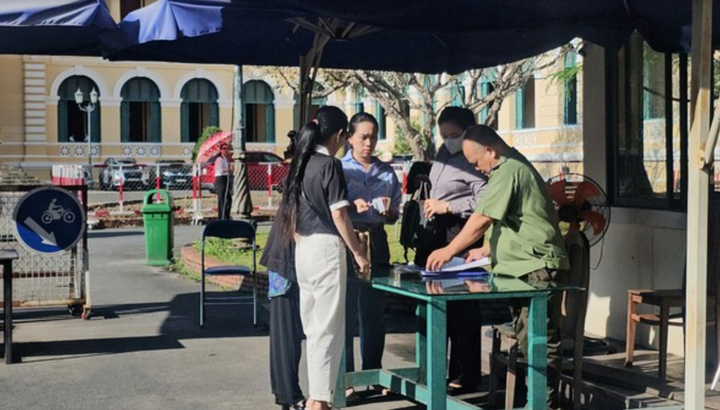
[{"x": 228, "y": 230}]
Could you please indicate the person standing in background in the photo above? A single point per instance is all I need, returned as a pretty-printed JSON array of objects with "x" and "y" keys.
[
  {"x": 223, "y": 185},
  {"x": 286, "y": 332},
  {"x": 290, "y": 151},
  {"x": 375, "y": 194}
]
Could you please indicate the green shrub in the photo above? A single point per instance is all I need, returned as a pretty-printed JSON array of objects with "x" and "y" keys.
[{"x": 207, "y": 133}]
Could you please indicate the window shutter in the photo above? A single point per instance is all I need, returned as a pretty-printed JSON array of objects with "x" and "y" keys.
[
  {"x": 62, "y": 121},
  {"x": 125, "y": 121},
  {"x": 214, "y": 115},
  {"x": 184, "y": 122},
  {"x": 520, "y": 109},
  {"x": 95, "y": 124},
  {"x": 155, "y": 127},
  {"x": 270, "y": 122},
  {"x": 484, "y": 92},
  {"x": 382, "y": 135}
]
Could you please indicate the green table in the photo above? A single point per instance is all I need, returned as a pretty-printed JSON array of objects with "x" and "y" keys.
[{"x": 426, "y": 381}]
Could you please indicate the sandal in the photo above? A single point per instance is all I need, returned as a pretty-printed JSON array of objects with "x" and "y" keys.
[
  {"x": 351, "y": 395},
  {"x": 455, "y": 384},
  {"x": 381, "y": 390}
]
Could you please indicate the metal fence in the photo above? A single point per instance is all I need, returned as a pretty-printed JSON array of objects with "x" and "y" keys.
[
  {"x": 119, "y": 188},
  {"x": 41, "y": 279}
]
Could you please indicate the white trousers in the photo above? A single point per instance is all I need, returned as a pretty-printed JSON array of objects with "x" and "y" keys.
[{"x": 320, "y": 261}]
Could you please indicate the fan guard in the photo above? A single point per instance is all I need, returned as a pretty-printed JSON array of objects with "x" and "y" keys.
[{"x": 579, "y": 201}]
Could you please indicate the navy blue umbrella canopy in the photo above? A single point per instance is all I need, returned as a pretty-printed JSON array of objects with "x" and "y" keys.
[
  {"x": 412, "y": 36},
  {"x": 56, "y": 27}
]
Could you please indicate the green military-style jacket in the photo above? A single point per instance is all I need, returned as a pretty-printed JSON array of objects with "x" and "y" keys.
[{"x": 525, "y": 235}]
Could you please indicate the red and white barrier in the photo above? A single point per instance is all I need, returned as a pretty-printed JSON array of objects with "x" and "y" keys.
[
  {"x": 64, "y": 175},
  {"x": 269, "y": 185},
  {"x": 121, "y": 178}
]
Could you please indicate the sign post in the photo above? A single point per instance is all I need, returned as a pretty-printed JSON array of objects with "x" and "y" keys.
[{"x": 49, "y": 220}]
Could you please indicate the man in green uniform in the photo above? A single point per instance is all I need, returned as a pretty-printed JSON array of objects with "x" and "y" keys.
[{"x": 525, "y": 239}]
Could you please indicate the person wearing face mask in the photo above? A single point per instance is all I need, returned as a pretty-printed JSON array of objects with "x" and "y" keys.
[
  {"x": 455, "y": 191},
  {"x": 456, "y": 185}
]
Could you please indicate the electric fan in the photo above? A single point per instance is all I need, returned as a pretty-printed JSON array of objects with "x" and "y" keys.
[
  {"x": 581, "y": 204},
  {"x": 584, "y": 216}
]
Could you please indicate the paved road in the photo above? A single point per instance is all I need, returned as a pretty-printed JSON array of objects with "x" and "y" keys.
[{"x": 143, "y": 348}]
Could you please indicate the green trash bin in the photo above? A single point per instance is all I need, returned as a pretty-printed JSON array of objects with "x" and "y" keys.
[{"x": 158, "y": 220}]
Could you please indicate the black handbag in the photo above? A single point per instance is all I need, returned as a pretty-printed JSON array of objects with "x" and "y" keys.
[{"x": 415, "y": 229}]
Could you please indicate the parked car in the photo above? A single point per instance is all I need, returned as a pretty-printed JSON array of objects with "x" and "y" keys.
[
  {"x": 132, "y": 176},
  {"x": 174, "y": 173},
  {"x": 257, "y": 163}
]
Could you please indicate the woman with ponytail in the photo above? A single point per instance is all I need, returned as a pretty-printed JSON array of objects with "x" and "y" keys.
[{"x": 315, "y": 208}]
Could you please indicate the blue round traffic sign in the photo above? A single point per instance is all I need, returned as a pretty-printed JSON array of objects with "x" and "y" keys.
[{"x": 49, "y": 220}]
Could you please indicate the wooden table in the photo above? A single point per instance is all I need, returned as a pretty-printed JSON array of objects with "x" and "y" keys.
[
  {"x": 7, "y": 256},
  {"x": 426, "y": 382}
]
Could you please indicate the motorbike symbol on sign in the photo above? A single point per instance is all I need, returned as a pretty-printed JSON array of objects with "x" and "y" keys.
[{"x": 56, "y": 212}]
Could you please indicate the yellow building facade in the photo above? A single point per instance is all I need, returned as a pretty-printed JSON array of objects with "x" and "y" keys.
[{"x": 154, "y": 110}]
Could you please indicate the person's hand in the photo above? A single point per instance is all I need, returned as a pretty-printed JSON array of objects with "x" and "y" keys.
[
  {"x": 361, "y": 206},
  {"x": 434, "y": 287},
  {"x": 390, "y": 214},
  {"x": 477, "y": 286},
  {"x": 363, "y": 264},
  {"x": 437, "y": 259},
  {"x": 477, "y": 253},
  {"x": 436, "y": 207}
]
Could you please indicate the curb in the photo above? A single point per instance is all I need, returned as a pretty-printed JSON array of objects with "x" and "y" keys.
[{"x": 191, "y": 258}]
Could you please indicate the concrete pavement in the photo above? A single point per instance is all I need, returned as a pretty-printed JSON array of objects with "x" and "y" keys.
[{"x": 143, "y": 348}]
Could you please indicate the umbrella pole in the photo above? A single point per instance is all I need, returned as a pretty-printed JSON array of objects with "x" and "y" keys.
[
  {"x": 241, "y": 200},
  {"x": 697, "y": 207},
  {"x": 309, "y": 66}
]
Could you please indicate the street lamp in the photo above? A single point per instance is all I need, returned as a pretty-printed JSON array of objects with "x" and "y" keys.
[{"x": 88, "y": 108}]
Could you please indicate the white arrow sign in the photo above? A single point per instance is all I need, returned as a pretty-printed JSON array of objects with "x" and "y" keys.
[{"x": 47, "y": 237}]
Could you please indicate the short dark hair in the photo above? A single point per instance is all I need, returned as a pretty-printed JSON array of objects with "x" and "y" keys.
[
  {"x": 362, "y": 117},
  {"x": 460, "y": 116},
  {"x": 483, "y": 135}
]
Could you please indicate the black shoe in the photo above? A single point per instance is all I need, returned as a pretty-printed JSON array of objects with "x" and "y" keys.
[{"x": 297, "y": 406}]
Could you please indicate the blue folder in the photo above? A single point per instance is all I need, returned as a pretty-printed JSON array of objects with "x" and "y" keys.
[{"x": 476, "y": 274}]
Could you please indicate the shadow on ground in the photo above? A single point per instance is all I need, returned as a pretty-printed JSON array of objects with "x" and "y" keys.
[{"x": 181, "y": 322}]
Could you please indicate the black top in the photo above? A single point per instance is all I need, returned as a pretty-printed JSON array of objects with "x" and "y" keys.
[
  {"x": 279, "y": 253},
  {"x": 324, "y": 190}
]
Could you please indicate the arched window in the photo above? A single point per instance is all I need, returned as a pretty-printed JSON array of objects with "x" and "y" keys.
[
  {"x": 73, "y": 122},
  {"x": 140, "y": 111},
  {"x": 259, "y": 112},
  {"x": 199, "y": 109}
]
